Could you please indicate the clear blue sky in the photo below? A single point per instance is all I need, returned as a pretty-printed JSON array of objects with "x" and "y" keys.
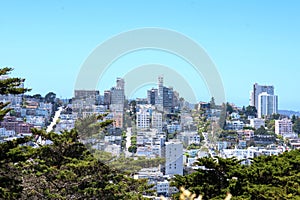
[{"x": 254, "y": 41}]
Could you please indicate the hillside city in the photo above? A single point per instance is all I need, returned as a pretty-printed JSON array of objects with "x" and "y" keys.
[{"x": 163, "y": 125}]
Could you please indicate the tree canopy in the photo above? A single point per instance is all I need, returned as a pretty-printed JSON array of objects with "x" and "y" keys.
[
  {"x": 9, "y": 86},
  {"x": 64, "y": 169},
  {"x": 268, "y": 177}
]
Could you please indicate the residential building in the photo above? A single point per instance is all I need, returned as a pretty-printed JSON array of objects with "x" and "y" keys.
[
  {"x": 189, "y": 138},
  {"x": 143, "y": 119},
  {"x": 257, "y": 123},
  {"x": 160, "y": 92},
  {"x": 107, "y": 97},
  {"x": 162, "y": 188},
  {"x": 246, "y": 134},
  {"x": 235, "y": 125},
  {"x": 174, "y": 158},
  {"x": 258, "y": 89},
  {"x": 152, "y": 96},
  {"x": 84, "y": 100},
  {"x": 174, "y": 127},
  {"x": 168, "y": 95},
  {"x": 6, "y": 133},
  {"x": 118, "y": 119},
  {"x": 157, "y": 121},
  {"x": 267, "y": 104},
  {"x": 17, "y": 125},
  {"x": 117, "y": 96},
  {"x": 284, "y": 127}
]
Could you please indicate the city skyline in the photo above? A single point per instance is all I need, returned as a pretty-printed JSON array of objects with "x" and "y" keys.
[{"x": 248, "y": 42}]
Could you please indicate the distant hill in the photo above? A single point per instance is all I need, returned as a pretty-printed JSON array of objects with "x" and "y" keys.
[{"x": 289, "y": 112}]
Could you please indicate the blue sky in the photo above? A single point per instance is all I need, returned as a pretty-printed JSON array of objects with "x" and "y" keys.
[{"x": 254, "y": 41}]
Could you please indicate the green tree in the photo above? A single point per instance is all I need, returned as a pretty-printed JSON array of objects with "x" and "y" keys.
[
  {"x": 37, "y": 96},
  {"x": 64, "y": 169},
  {"x": 214, "y": 180},
  {"x": 270, "y": 124},
  {"x": 9, "y": 86},
  {"x": 296, "y": 126},
  {"x": 294, "y": 118},
  {"x": 261, "y": 131},
  {"x": 229, "y": 108},
  {"x": 251, "y": 111},
  {"x": 92, "y": 128},
  {"x": 50, "y": 97},
  {"x": 212, "y": 103},
  {"x": 223, "y": 116},
  {"x": 9, "y": 180},
  {"x": 132, "y": 149},
  {"x": 267, "y": 178}
]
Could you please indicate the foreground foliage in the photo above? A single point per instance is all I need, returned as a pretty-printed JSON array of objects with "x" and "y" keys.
[
  {"x": 268, "y": 177},
  {"x": 64, "y": 169}
]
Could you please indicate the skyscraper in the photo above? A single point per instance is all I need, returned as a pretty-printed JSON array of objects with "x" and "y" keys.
[
  {"x": 152, "y": 96},
  {"x": 168, "y": 99},
  {"x": 117, "y": 100},
  {"x": 117, "y": 94},
  {"x": 267, "y": 104},
  {"x": 258, "y": 89},
  {"x": 106, "y": 100},
  {"x": 160, "y": 93}
]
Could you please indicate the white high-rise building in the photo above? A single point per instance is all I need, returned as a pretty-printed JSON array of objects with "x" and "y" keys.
[
  {"x": 143, "y": 119},
  {"x": 267, "y": 104},
  {"x": 283, "y": 127},
  {"x": 257, "y": 90},
  {"x": 157, "y": 121},
  {"x": 174, "y": 158}
]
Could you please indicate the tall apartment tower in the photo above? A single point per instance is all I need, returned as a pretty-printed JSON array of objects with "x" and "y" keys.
[
  {"x": 258, "y": 89},
  {"x": 117, "y": 100},
  {"x": 107, "y": 98},
  {"x": 117, "y": 93},
  {"x": 174, "y": 158},
  {"x": 152, "y": 96},
  {"x": 267, "y": 104},
  {"x": 168, "y": 95},
  {"x": 120, "y": 83},
  {"x": 160, "y": 92}
]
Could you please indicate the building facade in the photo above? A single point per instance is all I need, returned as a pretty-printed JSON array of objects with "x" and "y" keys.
[
  {"x": 267, "y": 104},
  {"x": 284, "y": 127},
  {"x": 143, "y": 119},
  {"x": 258, "y": 89},
  {"x": 157, "y": 121},
  {"x": 174, "y": 158},
  {"x": 257, "y": 123},
  {"x": 152, "y": 96}
]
